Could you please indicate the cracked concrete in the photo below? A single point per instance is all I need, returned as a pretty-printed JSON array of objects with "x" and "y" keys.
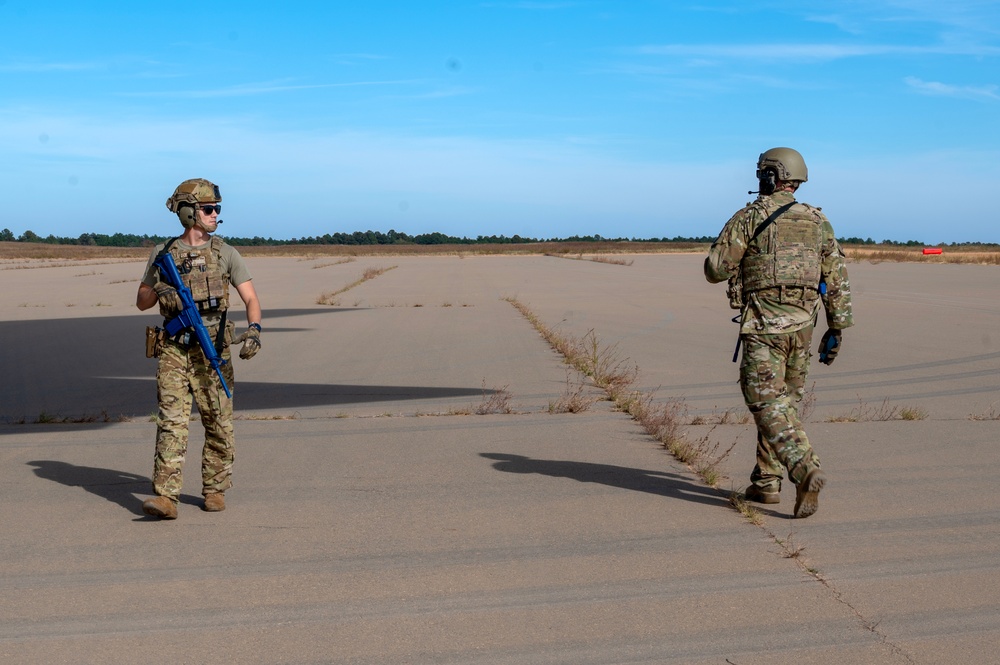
[{"x": 359, "y": 532}]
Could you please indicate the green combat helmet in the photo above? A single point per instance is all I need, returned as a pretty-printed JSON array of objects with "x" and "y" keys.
[
  {"x": 190, "y": 193},
  {"x": 786, "y": 163}
]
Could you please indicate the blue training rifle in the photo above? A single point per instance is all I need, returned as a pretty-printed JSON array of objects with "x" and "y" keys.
[{"x": 189, "y": 318}]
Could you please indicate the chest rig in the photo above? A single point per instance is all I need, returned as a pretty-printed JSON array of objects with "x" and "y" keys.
[
  {"x": 201, "y": 271},
  {"x": 786, "y": 253}
]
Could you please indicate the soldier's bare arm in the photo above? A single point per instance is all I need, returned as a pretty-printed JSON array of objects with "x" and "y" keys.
[
  {"x": 249, "y": 295},
  {"x": 145, "y": 298}
]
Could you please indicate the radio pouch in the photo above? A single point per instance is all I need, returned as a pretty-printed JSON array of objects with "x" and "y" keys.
[{"x": 154, "y": 341}]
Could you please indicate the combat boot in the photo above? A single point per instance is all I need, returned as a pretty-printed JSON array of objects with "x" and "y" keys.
[
  {"x": 161, "y": 506},
  {"x": 756, "y": 494},
  {"x": 807, "y": 493},
  {"x": 214, "y": 502}
]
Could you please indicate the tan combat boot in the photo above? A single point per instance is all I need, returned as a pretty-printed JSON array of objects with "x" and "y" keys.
[
  {"x": 214, "y": 502},
  {"x": 160, "y": 506},
  {"x": 754, "y": 493},
  {"x": 807, "y": 493}
]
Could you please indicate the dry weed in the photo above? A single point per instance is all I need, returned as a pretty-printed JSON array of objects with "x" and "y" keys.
[
  {"x": 912, "y": 413},
  {"x": 604, "y": 364},
  {"x": 103, "y": 417},
  {"x": 260, "y": 416},
  {"x": 495, "y": 401},
  {"x": 707, "y": 459},
  {"x": 616, "y": 376},
  {"x": 348, "y": 259},
  {"x": 369, "y": 273},
  {"x": 789, "y": 549},
  {"x": 597, "y": 258},
  {"x": 865, "y": 412},
  {"x": 730, "y": 416},
  {"x": 739, "y": 501},
  {"x": 808, "y": 404},
  {"x": 573, "y": 400},
  {"x": 992, "y": 414}
]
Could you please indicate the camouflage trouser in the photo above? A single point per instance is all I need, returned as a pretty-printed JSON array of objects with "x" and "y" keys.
[
  {"x": 772, "y": 376},
  {"x": 184, "y": 374}
]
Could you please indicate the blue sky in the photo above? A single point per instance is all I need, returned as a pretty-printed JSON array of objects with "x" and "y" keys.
[{"x": 537, "y": 118}]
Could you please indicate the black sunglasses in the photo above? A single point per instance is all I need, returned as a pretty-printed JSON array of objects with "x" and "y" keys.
[{"x": 208, "y": 210}]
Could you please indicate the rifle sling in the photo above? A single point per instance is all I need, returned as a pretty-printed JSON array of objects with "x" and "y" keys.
[
  {"x": 220, "y": 335},
  {"x": 770, "y": 220}
]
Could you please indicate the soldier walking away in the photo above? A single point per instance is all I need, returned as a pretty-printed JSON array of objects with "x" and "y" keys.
[
  {"x": 782, "y": 259},
  {"x": 207, "y": 267}
]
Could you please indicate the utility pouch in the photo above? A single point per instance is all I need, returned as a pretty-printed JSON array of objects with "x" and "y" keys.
[
  {"x": 734, "y": 291},
  {"x": 154, "y": 341},
  {"x": 230, "y": 333}
]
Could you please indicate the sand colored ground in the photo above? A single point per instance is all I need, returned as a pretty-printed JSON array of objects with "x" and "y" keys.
[{"x": 372, "y": 522}]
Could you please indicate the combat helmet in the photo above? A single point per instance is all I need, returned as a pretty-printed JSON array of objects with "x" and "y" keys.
[
  {"x": 786, "y": 163},
  {"x": 189, "y": 194}
]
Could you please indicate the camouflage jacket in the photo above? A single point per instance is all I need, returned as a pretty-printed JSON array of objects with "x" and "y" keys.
[{"x": 785, "y": 304}]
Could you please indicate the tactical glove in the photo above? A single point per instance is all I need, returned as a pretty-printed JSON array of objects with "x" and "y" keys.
[
  {"x": 829, "y": 346},
  {"x": 170, "y": 300},
  {"x": 251, "y": 341}
]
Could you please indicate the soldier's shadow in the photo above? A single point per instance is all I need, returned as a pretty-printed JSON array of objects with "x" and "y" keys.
[
  {"x": 637, "y": 480},
  {"x": 128, "y": 490}
]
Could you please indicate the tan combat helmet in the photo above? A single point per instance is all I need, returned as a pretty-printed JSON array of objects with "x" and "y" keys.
[
  {"x": 189, "y": 194},
  {"x": 786, "y": 163}
]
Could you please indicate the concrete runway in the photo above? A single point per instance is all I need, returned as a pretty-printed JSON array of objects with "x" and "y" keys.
[{"x": 372, "y": 522}]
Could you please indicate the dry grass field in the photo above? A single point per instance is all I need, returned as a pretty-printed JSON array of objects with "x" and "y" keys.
[
  {"x": 16, "y": 254},
  {"x": 972, "y": 254}
]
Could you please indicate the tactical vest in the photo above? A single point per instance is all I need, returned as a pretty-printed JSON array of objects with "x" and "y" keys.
[
  {"x": 201, "y": 272},
  {"x": 787, "y": 253}
]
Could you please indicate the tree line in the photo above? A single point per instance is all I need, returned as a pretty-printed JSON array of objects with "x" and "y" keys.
[
  {"x": 356, "y": 238},
  {"x": 395, "y": 238}
]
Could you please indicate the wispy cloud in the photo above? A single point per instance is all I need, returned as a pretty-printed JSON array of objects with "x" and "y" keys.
[
  {"x": 976, "y": 16},
  {"x": 265, "y": 88},
  {"x": 938, "y": 89},
  {"x": 846, "y": 24},
  {"x": 355, "y": 58},
  {"x": 42, "y": 67},
  {"x": 530, "y": 5},
  {"x": 443, "y": 93},
  {"x": 800, "y": 52}
]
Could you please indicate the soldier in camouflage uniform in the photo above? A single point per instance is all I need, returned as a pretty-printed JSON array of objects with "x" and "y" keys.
[
  {"x": 208, "y": 266},
  {"x": 782, "y": 259}
]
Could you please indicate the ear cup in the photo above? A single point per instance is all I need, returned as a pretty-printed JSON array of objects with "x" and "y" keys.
[
  {"x": 186, "y": 214},
  {"x": 768, "y": 181}
]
